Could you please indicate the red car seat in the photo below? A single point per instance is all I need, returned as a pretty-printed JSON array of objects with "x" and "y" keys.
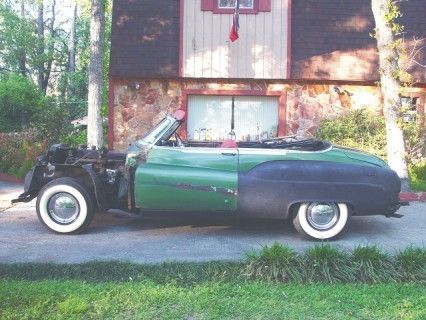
[{"x": 231, "y": 144}]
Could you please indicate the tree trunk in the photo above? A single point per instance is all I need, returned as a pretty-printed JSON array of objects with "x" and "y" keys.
[
  {"x": 390, "y": 86},
  {"x": 40, "y": 36},
  {"x": 51, "y": 49},
  {"x": 97, "y": 28},
  {"x": 23, "y": 55},
  {"x": 72, "y": 54},
  {"x": 72, "y": 41}
]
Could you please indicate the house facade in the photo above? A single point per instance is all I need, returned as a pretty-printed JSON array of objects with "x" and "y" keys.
[{"x": 295, "y": 62}]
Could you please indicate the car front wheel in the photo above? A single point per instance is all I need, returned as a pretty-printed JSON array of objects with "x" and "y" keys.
[
  {"x": 321, "y": 220},
  {"x": 64, "y": 206}
]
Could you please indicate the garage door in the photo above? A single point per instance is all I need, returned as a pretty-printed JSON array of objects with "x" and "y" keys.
[{"x": 212, "y": 118}]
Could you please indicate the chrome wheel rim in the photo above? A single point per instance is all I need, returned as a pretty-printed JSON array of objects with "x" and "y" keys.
[
  {"x": 322, "y": 216},
  {"x": 63, "y": 208}
]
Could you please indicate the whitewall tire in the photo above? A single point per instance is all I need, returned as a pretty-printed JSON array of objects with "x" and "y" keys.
[
  {"x": 321, "y": 220},
  {"x": 64, "y": 206}
]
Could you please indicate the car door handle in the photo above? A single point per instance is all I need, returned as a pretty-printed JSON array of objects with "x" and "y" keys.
[{"x": 232, "y": 154}]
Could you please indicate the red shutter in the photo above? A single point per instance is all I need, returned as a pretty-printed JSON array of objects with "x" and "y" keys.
[
  {"x": 207, "y": 5},
  {"x": 264, "y": 5}
]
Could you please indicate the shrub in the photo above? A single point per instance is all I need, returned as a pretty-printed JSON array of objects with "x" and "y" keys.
[
  {"x": 412, "y": 263},
  {"x": 418, "y": 175},
  {"x": 76, "y": 138},
  {"x": 20, "y": 100},
  {"x": 360, "y": 129},
  {"x": 274, "y": 263},
  {"x": 19, "y": 152},
  {"x": 372, "y": 265},
  {"x": 365, "y": 130},
  {"x": 325, "y": 263}
]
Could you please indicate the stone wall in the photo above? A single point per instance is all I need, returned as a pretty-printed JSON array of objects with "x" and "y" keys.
[{"x": 139, "y": 105}]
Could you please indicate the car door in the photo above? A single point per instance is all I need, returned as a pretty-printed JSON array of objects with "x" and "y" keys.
[{"x": 188, "y": 179}]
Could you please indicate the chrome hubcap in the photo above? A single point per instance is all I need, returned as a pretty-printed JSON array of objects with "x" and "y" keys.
[
  {"x": 322, "y": 216},
  {"x": 63, "y": 208}
]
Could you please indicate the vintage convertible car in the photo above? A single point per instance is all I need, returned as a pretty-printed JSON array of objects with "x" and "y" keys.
[{"x": 316, "y": 185}]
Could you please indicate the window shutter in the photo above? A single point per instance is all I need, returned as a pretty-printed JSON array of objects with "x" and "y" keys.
[
  {"x": 264, "y": 5},
  {"x": 207, "y": 5}
]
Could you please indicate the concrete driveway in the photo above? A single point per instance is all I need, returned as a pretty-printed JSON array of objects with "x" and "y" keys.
[{"x": 153, "y": 239}]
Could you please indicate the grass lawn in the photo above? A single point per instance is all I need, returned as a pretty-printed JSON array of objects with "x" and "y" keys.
[
  {"x": 275, "y": 283},
  {"x": 223, "y": 299}
]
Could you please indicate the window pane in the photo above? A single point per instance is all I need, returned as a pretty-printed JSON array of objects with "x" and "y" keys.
[
  {"x": 209, "y": 117},
  {"x": 256, "y": 118},
  {"x": 244, "y": 4}
]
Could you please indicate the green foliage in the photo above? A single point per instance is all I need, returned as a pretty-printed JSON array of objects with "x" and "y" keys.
[
  {"x": 17, "y": 39},
  {"x": 76, "y": 138},
  {"x": 20, "y": 101},
  {"x": 18, "y": 152},
  {"x": 418, "y": 175},
  {"x": 363, "y": 129},
  {"x": 413, "y": 261},
  {"x": 326, "y": 263},
  {"x": 274, "y": 263},
  {"x": 360, "y": 129},
  {"x": 373, "y": 265},
  {"x": 393, "y": 12}
]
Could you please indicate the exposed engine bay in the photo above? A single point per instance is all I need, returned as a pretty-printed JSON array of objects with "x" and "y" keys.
[{"x": 101, "y": 171}]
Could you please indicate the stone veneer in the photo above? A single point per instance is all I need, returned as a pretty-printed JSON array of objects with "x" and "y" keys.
[{"x": 139, "y": 105}]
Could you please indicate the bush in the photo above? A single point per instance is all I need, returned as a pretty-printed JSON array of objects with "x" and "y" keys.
[
  {"x": 364, "y": 130},
  {"x": 361, "y": 129},
  {"x": 20, "y": 100},
  {"x": 19, "y": 152},
  {"x": 327, "y": 264},
  {"x": 274, "y": 263},
  {"x": 418, "y": 175}
]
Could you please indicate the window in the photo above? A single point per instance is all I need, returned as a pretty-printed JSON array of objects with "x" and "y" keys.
[
  {"x": 409, "y": 104},
  {"x": 230, "y": 4},
  {"x": 243, "y": 118}
]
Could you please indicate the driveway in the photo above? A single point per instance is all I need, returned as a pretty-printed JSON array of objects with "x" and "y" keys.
[{"x": 154, "y": 239}]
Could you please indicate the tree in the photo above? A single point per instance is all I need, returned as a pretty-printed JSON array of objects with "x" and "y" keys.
[
  {"x": 23, "y": 53},
  {"x": 72, "y": 51},
  {"x": 40, "y": 36},
  {"x": 97, "y": 29},
  {"x": 385, "y": 12}
]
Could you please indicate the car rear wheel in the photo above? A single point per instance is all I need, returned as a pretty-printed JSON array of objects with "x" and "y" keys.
[
  {"x": 64, "y": 206},
  {"x": 321, "y": 220}
]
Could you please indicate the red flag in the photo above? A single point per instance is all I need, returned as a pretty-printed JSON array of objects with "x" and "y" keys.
[{"x": 233, "y": 35}]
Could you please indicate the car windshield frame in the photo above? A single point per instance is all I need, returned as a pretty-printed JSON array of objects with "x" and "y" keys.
[{"x": 162, "y": 131}]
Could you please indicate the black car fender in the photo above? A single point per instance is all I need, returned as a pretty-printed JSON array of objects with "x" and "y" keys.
[
  {"x": 272, "y": 189},
  {"x": 41, "y": 174}
]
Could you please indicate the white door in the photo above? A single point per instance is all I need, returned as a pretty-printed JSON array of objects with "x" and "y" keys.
[{"x": 210, "y": 117}]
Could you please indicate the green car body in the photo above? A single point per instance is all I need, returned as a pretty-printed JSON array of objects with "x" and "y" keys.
[
  {"x": 269, "y": 179},
  {"x": 205, "y": 178}
]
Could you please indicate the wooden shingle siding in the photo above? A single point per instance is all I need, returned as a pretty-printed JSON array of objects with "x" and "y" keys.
[
  {"x": 331, "y": 38},
  {"x": 261, "y": 51},
  {"x": 145, "y": 38}
]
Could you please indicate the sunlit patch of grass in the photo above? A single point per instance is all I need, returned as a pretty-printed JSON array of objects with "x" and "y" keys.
[{"x": 73, "y": 305}]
